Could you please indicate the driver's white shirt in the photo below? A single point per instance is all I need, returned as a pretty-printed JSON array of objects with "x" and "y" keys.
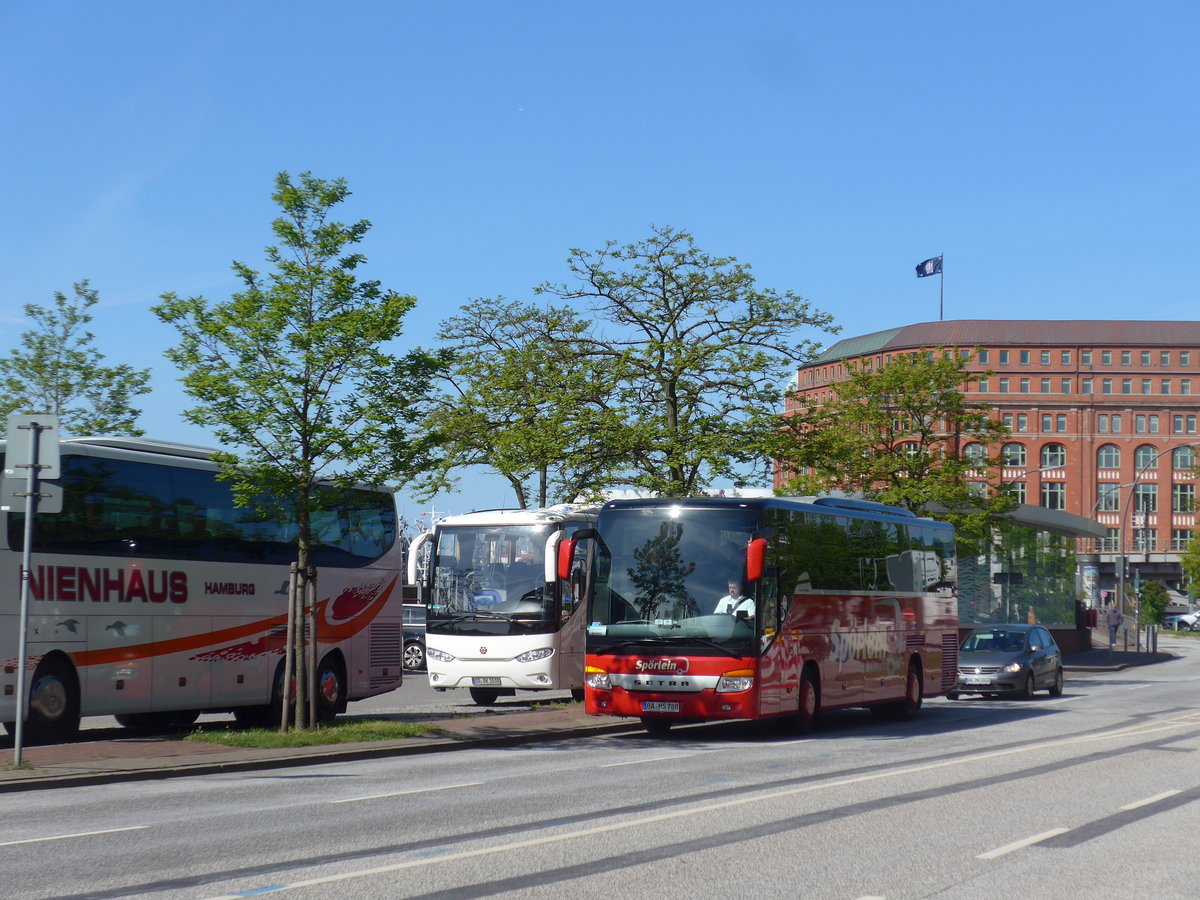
[{"x": 730, "y": 605}]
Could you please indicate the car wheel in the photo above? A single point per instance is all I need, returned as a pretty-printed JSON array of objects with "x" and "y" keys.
[
  {"x": 1056, "y": 689},
  {"x": 414, "y": 656},
  {"x": 951, "y": 695},
  {"x": 1026, "y": 692}
]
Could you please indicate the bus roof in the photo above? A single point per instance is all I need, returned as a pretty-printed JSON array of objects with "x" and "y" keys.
[
  {"x": 549, "y": 514},
  {"x": 841, "y": 504}
]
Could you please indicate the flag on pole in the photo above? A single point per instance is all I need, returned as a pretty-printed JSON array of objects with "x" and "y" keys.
[{"x": 930, "y": 267}]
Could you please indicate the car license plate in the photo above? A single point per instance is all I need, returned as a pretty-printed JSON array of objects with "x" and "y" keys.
[
  {"x": 978, "y": 679},
  {"x": 486, "y": 682},
  {"x": 659, "y": 706}
]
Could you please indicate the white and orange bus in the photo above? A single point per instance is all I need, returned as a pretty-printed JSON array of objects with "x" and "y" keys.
[
  {"x": 153, "y": 598},
  {"x": 703, "y": 609}
]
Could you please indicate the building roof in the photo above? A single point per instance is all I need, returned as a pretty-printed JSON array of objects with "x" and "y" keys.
[{"x": 1023, "y": 332}]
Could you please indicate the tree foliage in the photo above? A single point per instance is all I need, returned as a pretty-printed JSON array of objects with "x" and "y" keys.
[
  {"x": 1190, "y": 560},
  {"x": 519, "y": 399},
  {"x": 291, "y": 372},
  {"x": 1152, "y": 603},
  {"x": 696, "y": 354},
  {"x": 58, "y": 371},
  {"x": 897, "y": 434}
]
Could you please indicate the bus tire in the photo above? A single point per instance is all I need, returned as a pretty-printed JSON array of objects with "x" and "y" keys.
[
  {"x": 53, "y": 702},
  {"x": 906, "y": 710},
  {"x": 330, "y": 688},
  {"x": 484, "y": 696},
  {"x": 159, "y": 721},
  {"x": 577, "y": 694},
  {"x": 266, "y": 715},
  {"x": 808, "y": 705},
  {"x": 656, "y": 727}
]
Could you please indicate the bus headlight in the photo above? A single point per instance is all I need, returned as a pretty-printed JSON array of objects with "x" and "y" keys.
[
  {"x": 534, "y": 655},
  {"x": 737, "y": 680},
  {"x": 439, "y": 655},
  {"x": 597, "y": 679}
]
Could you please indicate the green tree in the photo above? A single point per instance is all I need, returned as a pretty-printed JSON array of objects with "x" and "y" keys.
[
  {"x": 1152, "y": 603},
  {"x": 897, "y": 434},
  {"x": 58, "y": 371},
  {"x": 698, "y": 355},
  {"x": 517, "y": 398},
  {"x": 1190, "y": 559},
  {"x": 292, "y": 375}
]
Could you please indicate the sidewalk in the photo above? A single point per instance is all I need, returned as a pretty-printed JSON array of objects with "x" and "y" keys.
[{"x": 144, "y": 757}]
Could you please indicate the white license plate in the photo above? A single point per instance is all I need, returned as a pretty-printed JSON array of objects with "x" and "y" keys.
[
  {"x": 978, "y": 679},
  {"x": 488, "y": 682},
  {"x": 659, "y": 706}
]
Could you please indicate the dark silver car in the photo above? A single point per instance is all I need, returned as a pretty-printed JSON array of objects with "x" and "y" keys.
[{"x": 1008, "y": 659}]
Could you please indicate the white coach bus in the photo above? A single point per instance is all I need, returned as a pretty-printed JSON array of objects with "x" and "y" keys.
[
  {"x": 153, "y": 598},
  {"x": 498, "y": 619}
]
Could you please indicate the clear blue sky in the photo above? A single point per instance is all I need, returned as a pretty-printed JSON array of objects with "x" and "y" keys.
[{"x": 1049, "y": 150}]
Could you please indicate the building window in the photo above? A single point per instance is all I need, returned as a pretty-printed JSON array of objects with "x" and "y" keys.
[
  {"x": 1180, "y": 538},
  {"x": 1106, "y": 357},
  {"x": 1045, "y": 385},
  {"x": 1060, "y": 423},
  {"x": 1145, "y": 539},
  {"x": 1054, "y": 456},
  {"x": 1017, "y": 491},
  {"x": 1022, "y": 422},
  {"x": 1164, "y": 359},
  {"x": 1013, "y": 455},
  {"x": 1024, "y": 385},
  {"x": 1085, "y": 357},
  {"x": 1004, "y": 357},
  {"x": 1145, "y": 357},
  {"x": 1007, "y": 419},
  {"x": 1108, "y": 457},
  {"x": 1185, "y": 357},
  {"x": 983, "y": 357},
  {"x": 1145, "y": 458},
  {"x": 1111, "y": 542},
  {"x": 1024, "y": 357},
  {"x": 1045, "y": 357},
  {"x": 1108, "y": 497},
  {"x": 1145, "y": 498},
  {"x": 1004, "y": 385},
  {"x": 1085, "y": 386},
  {"x": 984, "y": 386},
  {"x": 1153, "y": 420},
  {"x": 1176, "y": 424},
  {"x": 1183, "y": 498},
  {"x": 1116, "y": 424},
  {"x": 1054, "y": 495},
  {"x": 1126, "y": 385},
  {"x": 1185, "y": 386},
  {"x": 1066, "y": 385},
  {"x": 1102, "y": 424},
  {"x": 1183, "y": 459},
  {"x": 1106, "y": 386},
  {"x": 1065, "y": 357},
  {"x": 1127, "y": 357},
  {"x": 975, "y": 452},
  {"x": 1166, "y": 385},
  {"x": 1146, "y": 385},
  {"x": 1139, "y": 424},
  {"x": 1046, "y": 422}
]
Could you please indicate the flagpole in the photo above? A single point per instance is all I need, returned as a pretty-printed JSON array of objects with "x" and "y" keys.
[{"x": 941, "y": 286}]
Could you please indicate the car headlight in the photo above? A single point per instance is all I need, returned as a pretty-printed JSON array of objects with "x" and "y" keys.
[
  {"x": 534, "y": 655},
  {"x": 739, "y": 680},
  {"x": 1012, "y": 667},
  {"x": 439, "y": 655},
  {"x": 597, "y": 679}
]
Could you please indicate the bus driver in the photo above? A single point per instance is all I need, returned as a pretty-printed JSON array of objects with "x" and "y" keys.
[{"x": 735, "y": 603}]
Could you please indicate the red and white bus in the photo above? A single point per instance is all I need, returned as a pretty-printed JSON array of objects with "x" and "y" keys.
[
  {"x": 703, "y": 609},
  {"x": 153, "y": 598}
]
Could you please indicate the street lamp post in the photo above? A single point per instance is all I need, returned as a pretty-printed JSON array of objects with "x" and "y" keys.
[{"x": 1123, "y": 558}]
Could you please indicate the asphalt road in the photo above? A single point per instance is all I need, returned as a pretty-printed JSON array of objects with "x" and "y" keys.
[{"x": 1089, "y": 795}]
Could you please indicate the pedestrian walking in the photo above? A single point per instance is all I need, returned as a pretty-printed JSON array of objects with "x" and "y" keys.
[{"x": 1113, "y": 619}]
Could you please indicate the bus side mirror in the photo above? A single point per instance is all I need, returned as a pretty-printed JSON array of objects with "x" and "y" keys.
[
  {"x": 566, "y": 555},
  {"x": 756, "y": 557}
]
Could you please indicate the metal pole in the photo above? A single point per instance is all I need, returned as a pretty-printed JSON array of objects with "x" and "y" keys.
[
  {"x": 31, "y": 502},
  {"x": 289, "y": 648}
]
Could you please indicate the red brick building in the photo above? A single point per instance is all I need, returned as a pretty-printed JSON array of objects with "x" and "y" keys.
[{"x": 1104, "y": 418}]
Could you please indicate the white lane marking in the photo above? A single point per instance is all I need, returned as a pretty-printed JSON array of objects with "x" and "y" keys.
[
  {"x": 638, "y": 762},
  {"x": 1020, "y": 845},
  {"x": 710, "y": 808},
  {"x": 78, "y": 834},
  {"x": 444, "y": 787},
  {"x": 1140, "y": 803},
  {"x": 1063, "y": 700}
]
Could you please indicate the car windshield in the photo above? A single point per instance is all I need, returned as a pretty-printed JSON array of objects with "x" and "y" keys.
[
  {"x": 490, "y": 579},
  {"x": 673, "y": 575},
  {"x": 998, "y": 640}
]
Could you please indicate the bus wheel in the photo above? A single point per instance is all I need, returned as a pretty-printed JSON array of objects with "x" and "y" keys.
[
  {"x": 53, "y": 703},
  {"x": 159, "y": 721},
  {"x": 268, "y": 715},
  {"x": 331, "y": 691},
  {"x": 577, "y": 694},
  {"x": 656, "y": 727},
  {"x": 809, "y": 702},
  {"x": 906, "y": 709},
  {"x": 484, "y": 696}
]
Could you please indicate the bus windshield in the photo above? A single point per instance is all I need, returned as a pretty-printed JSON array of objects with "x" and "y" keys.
[
  {"x": 673, "y": 574},
  {"x": 490, "y": 579}
]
